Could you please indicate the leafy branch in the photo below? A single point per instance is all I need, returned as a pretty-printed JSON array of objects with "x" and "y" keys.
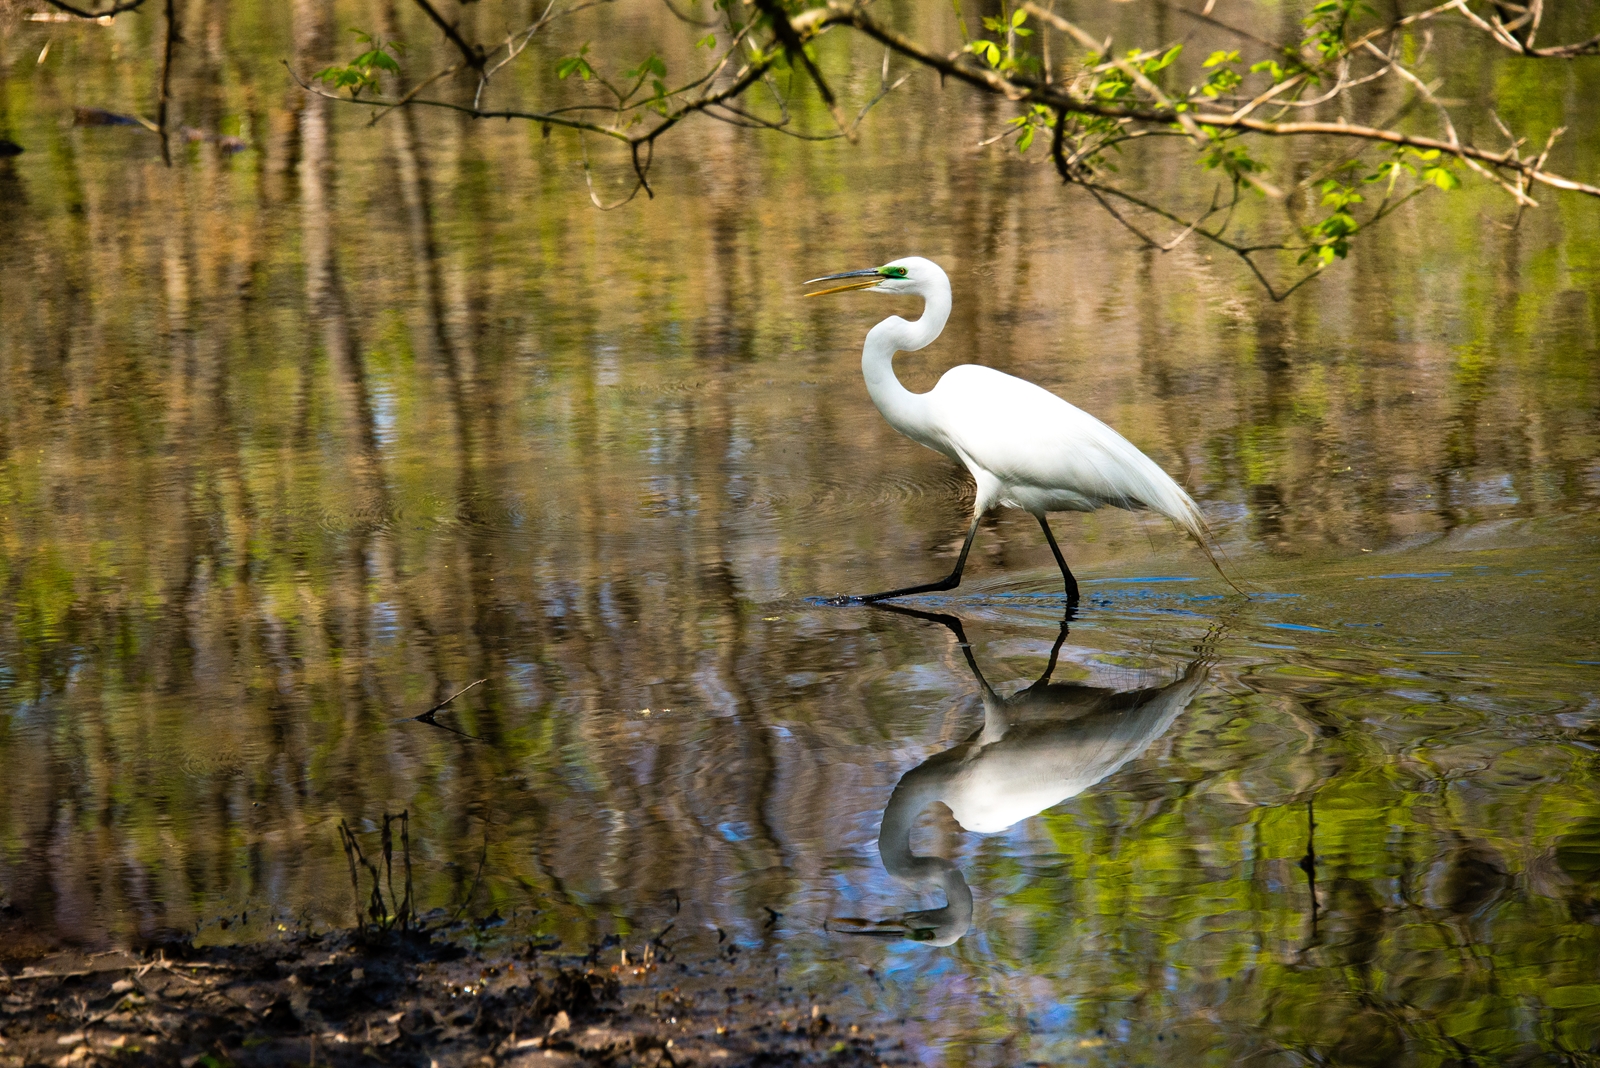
[
  {"x": 361, "y": 73},
  {"x": 1096, "y": 105}
]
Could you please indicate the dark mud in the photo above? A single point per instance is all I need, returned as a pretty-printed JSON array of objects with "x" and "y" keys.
[{"x": 410, "y": 998}]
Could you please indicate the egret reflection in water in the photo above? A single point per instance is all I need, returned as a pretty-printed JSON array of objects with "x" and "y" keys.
[{"x": 1035, "y": 749}]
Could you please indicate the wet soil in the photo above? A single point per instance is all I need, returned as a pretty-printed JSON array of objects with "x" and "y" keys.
[{"x": 409, "y": 998}]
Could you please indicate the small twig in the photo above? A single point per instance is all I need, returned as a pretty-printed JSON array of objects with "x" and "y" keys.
[
  {"x": 482, "y": 858},
  {"x": 440, "y": 706},
  {"x": 884, "y": 90},
  {"x": 351, "y": 851},
  {"x": 588, "y": 181},
  {"x": 407, "y": 908},
  {"x": 549, "y": 119},
  {"x": 412, "y": 93},
  {"x": 1244, "y": 35},
  {"x": 1497, "y": 30},
  {"x": 786, "y": 34},
  {"x": 1455, "y": 147},
  {"x": 469, "y": 52},
  {"x": 1137, "y": 76},
  {"x": 641, "y": 167},
  {"x": 1244, "y": 252},
  {"x": 388, "y": 858},
  {"x": 1550, "y": 143},
  {"x": 682, "y": 17},
  {"x": 430, "y": 717},
  {"x": 751, "y": 121}
]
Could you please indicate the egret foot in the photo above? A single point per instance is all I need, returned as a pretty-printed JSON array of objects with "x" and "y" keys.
[{"x": 949, "y": 582}]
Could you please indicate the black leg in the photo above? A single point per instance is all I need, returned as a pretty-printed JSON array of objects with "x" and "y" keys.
[
  {"x": 950, "y": 623},
  {"x": 1055, "y": 650},
  {"x": 949, "y": 582},
  {"x": 1066, "y": 572}
]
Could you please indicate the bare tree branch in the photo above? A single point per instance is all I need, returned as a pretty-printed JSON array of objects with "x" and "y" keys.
[
  {"x": 411, "y": 93},
  {"x": 546, "y": 118},
  {"x": 470, "y": 52},
  {"x": 796, "y": 50},
  {"x": 1504, "y": 36}
]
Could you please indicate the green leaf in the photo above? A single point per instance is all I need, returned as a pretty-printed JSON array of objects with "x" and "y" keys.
[
  {"x": 570, "y": 65},
  {"x": 1018, "y": 17},
  {"x": 1026, "y": 139},
  {"x": 986, "y": 50},
  {"x": 350, "y": 77},
  {"x": 1442, "y": 177},
  {"x": 708, "y": 41},
  {"x": 1221, "y": 80},
  {"x": 376, "y": 58},
  {"x": 1164, "y": 61},
  {"x": 1220, "y": 57}
]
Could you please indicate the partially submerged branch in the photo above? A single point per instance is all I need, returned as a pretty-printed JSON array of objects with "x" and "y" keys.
[{"x": 116, "y": 8}]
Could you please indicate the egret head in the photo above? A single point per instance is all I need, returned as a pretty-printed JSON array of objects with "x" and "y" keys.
[{"x": 913, "y": 274}]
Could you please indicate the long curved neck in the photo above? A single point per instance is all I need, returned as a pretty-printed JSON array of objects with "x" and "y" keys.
[
  {"x": 905, "y": 410},
  {"x": 942, "y": 926}
]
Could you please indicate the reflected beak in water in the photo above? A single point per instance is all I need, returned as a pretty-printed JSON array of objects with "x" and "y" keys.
[
  {"x": 863, "y": 280},
  {"x": 855, "y": 925},
  {"x": 912, "y": 926}
]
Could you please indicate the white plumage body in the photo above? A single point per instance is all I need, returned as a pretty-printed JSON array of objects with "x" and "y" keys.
[{"x": 1027, "y": 448}]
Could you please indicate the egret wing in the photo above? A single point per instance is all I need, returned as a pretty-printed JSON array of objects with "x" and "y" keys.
[{"x": 1031, "y": 439}]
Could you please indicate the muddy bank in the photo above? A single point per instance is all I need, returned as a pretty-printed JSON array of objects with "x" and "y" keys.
[{"x": 409, "y": 998}]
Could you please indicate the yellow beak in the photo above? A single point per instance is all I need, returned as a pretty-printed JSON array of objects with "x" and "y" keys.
[{"x": 863, "y": 280}]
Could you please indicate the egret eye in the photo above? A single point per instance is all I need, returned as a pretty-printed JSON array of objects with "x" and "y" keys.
[{"x": 892, "y": 272}]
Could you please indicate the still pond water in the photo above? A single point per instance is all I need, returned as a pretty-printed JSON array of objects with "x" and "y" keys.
[{"x": 297, "y": 442}]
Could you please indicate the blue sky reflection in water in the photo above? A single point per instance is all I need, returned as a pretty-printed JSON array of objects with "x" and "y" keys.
[{"x": 274, "y": 481}]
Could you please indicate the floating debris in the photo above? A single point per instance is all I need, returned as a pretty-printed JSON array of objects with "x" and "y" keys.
[
  {"x": 102, "y": 117},
  {"x": 226, "y": 143}
]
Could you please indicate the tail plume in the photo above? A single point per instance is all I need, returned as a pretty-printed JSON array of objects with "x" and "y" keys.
[{"x": 1187, "y": 515}]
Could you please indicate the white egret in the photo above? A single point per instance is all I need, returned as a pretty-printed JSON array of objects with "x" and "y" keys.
[{"x": 1025, "y": 447}]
